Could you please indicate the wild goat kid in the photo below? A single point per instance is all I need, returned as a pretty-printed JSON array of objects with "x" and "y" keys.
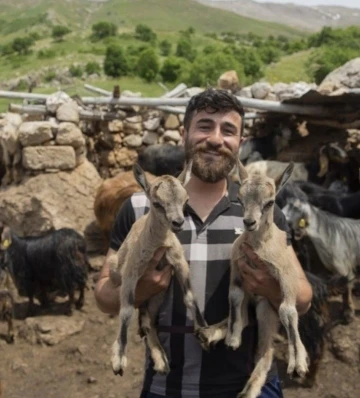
[
  {"x": 336, "y": 240},
  {"x": 153, "y": 230},
  {"x": 257, "y": 195}
]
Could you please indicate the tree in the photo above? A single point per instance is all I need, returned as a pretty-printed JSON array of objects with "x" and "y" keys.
[
  {"x": 171, "y": 69},
  {"x": 185, "y": 48},
  {"x": 59, "y": 31},
  {"x": 22, "y": 45},
  {"x": 148, "y": 65},
  {"x": 115, "y": 63},
  {"x": 145, "y": 33},
  {"x": 165, "y": 48},
  {"x": 101, "y": 30}
]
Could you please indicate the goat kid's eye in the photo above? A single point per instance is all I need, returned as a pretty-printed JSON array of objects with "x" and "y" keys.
[
  {"x": 157, "y": 205},
  {"x": 269, "y": 204}
]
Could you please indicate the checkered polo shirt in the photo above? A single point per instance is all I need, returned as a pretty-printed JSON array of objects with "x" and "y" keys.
[{"x": 207, "y": 247}]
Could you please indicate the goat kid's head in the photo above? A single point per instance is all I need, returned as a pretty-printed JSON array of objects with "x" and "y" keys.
[
  {"x": 297, "y": 214},
  {"x": 257, "y": 195},
  {"x": 167, "y": 195},
  {"x": 331, "y": 152}
]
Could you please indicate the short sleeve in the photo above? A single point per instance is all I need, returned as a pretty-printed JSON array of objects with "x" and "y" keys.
[
  {"x": 281, "y": 223},
  {"x": 122, "y": 224}
]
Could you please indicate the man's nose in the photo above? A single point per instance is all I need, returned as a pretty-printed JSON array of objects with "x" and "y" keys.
[{"x": 216, "y": 138}]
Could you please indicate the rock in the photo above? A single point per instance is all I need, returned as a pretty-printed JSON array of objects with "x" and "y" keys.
[
  {"x": 49, "y": 330},
  {"x": 68, "y": 112},
  {"x": 172, "y": 135},
  {"x": 134, "y": 119},
  {"x": 132, "y": 127},
  {"x": 115, "y": 126},
  {"x": 133, "y": 141},
  {"x": 80, "y": 154},
  {"x": 117, "y": 139},
  {"x": 260, "y": 90},
  {"x": 229, "y": 81},
  {"x": 245, "y": 92},
  {"x": 347, "y": 76},
  {"x": 91, "y": 380},
  {"x": 19, "y": 366},
  {"x": 152, "y": 124},
  {"x": 126, "y": 157},
  {"x": 271, "y": 97},
  {"x": 54, "y": 101},
  {"x": 172, "y": 122},
  {"x": 35, "y": 133},
  {"x": 70, "y": 134},
  {"x": 51, "y": 201},
  {"x": 293, "y": 90},
  {"x": 49, "y": 157},
  {"x": 150, "y": 138}
]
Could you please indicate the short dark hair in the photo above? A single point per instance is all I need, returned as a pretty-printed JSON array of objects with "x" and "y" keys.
[{"x": 211, "y": 98}]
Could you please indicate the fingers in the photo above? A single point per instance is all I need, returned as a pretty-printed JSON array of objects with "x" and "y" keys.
[
  {"x": 158, "y": 255},
  {"x": 252, "y": 256}
]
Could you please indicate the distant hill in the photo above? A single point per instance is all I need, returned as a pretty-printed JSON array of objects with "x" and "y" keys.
[
  {"x": 301, "y": 17},
  {"x": 161, "y": 15}
]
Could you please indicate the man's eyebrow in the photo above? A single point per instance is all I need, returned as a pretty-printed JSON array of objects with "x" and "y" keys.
[{"x": 205, "y": 120}]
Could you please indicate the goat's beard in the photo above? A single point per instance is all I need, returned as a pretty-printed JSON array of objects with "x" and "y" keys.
[{"x": 210, "y": 170}]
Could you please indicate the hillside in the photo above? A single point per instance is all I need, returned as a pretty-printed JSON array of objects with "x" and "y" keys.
[
  {"x": 162, "y": 15},
  {"x": 301, "y": 17}
]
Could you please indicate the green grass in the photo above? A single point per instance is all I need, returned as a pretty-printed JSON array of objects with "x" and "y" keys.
[{"x": 291, "y": 68}]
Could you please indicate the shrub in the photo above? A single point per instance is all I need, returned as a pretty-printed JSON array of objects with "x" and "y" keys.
[
  {"x": 115, "y": 63},
  {"x": 76, "y": 70},
  {"x": 59, "y": 31},
  {"x": 101, "y": 30},
  {"x": 165, "y": 48},
  {"x": 148, "y": 65},
  {"x": 145, "y": 33},
  {"x": 92, "y": 67},
  {"x": 171, "y": 69}
]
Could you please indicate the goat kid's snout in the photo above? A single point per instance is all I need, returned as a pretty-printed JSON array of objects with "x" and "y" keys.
[
  {"x": 177, "y": 224},
  {"x": 250, "y": 224}
]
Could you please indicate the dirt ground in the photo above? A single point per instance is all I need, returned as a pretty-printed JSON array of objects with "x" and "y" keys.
[{"x": 79, "y": 366}]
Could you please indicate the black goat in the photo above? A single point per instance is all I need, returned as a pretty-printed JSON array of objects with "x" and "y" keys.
[
  {"x": 160, "y": 159},
  {"x": 55, "y": 263},
  {"x": 316, "y": 323}
]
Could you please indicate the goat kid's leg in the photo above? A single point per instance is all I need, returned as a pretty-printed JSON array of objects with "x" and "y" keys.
[
  {"x": 182, "y": 273},
  {"x": 69, "y": 309},
  {"x": 268, "y": 322},
  {"x": 31, "y": 306},
  {"x": 10, "y": 335},
  {"x": 211, "y": 335},
  {"x": 348, "y": 303},
  {"x": 297, "y": 352},
  {"x": 127, "y": 295},
  {"x": 148, "y": 317},
  {"x": 238, "y": 319}
]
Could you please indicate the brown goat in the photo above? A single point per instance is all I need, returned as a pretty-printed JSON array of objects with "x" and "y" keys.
[{"x": 110, "y": 196}]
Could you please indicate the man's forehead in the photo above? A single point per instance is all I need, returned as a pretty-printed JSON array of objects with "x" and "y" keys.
[{"x": 209, "y": 113}]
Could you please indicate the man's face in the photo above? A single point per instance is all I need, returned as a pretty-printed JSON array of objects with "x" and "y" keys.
[{"x": 213, "y": 143}]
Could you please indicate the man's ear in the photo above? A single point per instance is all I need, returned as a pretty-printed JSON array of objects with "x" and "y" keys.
[
  {"x": 284, "y": 177},
  {"x": 140, "y": 177}
]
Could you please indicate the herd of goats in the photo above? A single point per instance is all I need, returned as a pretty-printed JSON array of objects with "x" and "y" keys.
[{"x": 321, "y": 202}]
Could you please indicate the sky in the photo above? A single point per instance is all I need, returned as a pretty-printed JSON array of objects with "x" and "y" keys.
[{"x": 346, "y": 3}]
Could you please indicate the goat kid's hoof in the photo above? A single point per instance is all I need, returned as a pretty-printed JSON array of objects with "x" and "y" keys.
[
  {"x": 163, "y": 370},
  {"x": 118, "y": 365},
  {"x": 233, "y": 342}
]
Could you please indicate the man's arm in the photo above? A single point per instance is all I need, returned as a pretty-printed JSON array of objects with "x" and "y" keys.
[
  {"x": 107, "y": 289},
  {"x": 260, "y": 281}
]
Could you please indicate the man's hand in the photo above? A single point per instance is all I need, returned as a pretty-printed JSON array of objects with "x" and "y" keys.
[
  {"x": 258, "y": 280},
  {"x": 153, "y": 281}
]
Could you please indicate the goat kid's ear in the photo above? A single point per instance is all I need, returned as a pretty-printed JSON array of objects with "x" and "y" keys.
[
  {"x": 323, "y": 162},
  {"x": 284, "y": 177},
  {"x": 241, "y": 173},
  {"x": 185, "y": 175},
  {"x": 140, "y": 177}
]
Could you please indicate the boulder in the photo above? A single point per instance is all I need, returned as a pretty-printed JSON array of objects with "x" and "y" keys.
[
  {"x": 229, "y": 81},
  {"x": 126, "y": 157},
  {"x": 51, "y": 201},
  {"x": 150, "y": 138},
  {"x": 152, "y": 124},
  {"x": 54, "y": 101},
  {"x": 68, "y": 112},
  {"x": 115, "y": 126},
  {"x": 172, "y": 122},
  {"x": 133, "y": 141},
  {"x": 172, "y": 135},
  {"x": 50, "y": 330},
  {"x": 35, "y": 133},
  {"x": 260, "y": 90},
  {"x": 70, "y": 134},
  {"x": 49, "y": 157},
  {"x": 347, "y": 76}
]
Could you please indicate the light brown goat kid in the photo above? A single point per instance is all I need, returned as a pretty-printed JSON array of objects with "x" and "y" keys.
[
  {"x": 153, "y": 230},
  {"x": 257, "y": 195}
]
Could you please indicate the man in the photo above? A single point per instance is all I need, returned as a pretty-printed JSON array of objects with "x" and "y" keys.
[{"x": 213, "y": 125}]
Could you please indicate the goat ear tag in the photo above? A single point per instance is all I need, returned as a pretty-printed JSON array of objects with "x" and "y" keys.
[
  {"x": 302, "y": 223},
  {"x": 5, "y": 244}
]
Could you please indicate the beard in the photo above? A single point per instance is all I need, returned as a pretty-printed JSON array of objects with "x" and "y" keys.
[{"x": 210, "y": 169}]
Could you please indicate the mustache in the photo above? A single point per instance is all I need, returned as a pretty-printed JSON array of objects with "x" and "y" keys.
[{"x": 205, "y": 147}]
